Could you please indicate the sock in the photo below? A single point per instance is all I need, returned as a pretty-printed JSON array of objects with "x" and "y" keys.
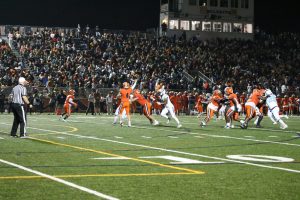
[
  {"x": 115, "y": 119},
  {"x": 259, "y": 120}
]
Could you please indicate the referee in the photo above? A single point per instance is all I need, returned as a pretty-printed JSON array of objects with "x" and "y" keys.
[{"x": 19, "y": 93}]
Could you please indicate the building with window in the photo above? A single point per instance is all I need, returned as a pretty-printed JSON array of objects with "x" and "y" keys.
[{"x": 208, "y": 19}]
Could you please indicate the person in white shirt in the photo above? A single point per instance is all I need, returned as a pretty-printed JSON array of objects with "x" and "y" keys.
[
  {"x": 168, "y": 106},
  {"x": 273, "y": 109}
]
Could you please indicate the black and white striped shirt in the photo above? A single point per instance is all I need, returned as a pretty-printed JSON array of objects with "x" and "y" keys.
[{"x": 17, "y": 92}]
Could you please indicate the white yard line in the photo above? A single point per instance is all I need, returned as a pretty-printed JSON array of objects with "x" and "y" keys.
[
  {"x": 172, "y": 151},
  {"x": 1, "y": 138},
  {"x": 173, "y": 137},
  {"x": 84, "y": 189},
  {"x": 186, "y": 153},
  {"x": 146, "y": 137},
  {"x": 219, "y": 136},
  {"x": 117, "y": 137}
]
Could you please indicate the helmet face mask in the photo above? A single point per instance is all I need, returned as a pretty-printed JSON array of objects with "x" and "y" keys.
[{"x": 228, "y": 90}]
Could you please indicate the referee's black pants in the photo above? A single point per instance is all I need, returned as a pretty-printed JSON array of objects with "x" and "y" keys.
[
  {"x": 91, "y": 107},
  {"x": 19, "y": 118}
]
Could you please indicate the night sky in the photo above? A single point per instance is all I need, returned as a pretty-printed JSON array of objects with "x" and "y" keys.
[{"x": 128, "y": 14}]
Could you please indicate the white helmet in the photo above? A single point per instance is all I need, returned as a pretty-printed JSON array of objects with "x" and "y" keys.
[{"x": 268, "y": 92}]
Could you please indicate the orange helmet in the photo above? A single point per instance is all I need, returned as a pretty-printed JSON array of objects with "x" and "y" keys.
[
  {"x": 71, "y": 92},
  {"x": 217, "y": 92},
  {"x": 136, "y": 91},
  {"x": 228, "y": 90}
]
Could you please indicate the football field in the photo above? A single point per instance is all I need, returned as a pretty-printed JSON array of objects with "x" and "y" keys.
[{"x": 89, "y": 158}]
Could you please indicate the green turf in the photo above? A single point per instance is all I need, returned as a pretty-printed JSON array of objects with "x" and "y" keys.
[{"x": 68, "y": 150}]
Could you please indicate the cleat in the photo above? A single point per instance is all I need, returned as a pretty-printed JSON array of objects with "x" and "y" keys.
[
  {"x": 227, "y": 127},
  {"x": 179, "y": 126},
  {"x": 155, "y": 123},
  {"x": 202, "y": 124},
  {"x": 121, "y": 124},
  {"x": 169, "y": 119},
  {"x": 14, "y": 136},
  {"x": 284, "y": 126},
  {"x": 232, "y": 126},
  {"x": 275, "y": 123}
]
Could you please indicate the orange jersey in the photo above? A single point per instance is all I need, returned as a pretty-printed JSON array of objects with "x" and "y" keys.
[
  {"x": 125, "y": 92},
  {"x": 254, "y": 97},
  {"x": 292, "y": 100},
  {"x": 215, "y": 100},
  {"x": 140, "y": 99},
  {"x": 173, "y": 99},
  {"x": 233, "y": 100},
  {"x": 69, "y": 100},
  {"x": 285, "y": 101},
  {"x": 278, "y": 99}
]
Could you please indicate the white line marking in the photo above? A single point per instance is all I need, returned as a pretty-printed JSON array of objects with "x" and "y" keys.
[
  {"x": 146, "y": 137},
  {"x": 220, "y": 136},
  {"x": 61, "y": 138},
  {"x": 117, "y": 137},
  {"x": 186, "y": 153},
  {"x": 173, "y": 137},
  {"x": 198, "y": 137},
  {"x": 98, "y": 194},
  {"x": 202, "y": 134},
  {"x": 173, "y": 151},
  {"x": 1, "y": 138},
  {"x": 273, "y": 136}
]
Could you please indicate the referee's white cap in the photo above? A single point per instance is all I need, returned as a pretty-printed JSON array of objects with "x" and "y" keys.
[{"x": 22, "y": 81}]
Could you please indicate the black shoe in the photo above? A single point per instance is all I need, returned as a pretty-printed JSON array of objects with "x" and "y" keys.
[
  {"x": 258, "y": 126},
  {"x": 243, "y": 126}
]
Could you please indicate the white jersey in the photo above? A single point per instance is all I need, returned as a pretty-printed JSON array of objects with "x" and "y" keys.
[
  {"x": 166, "y": 99},
  {"x": 271, "y": 102},
  {"x": 162, "y": 91}
]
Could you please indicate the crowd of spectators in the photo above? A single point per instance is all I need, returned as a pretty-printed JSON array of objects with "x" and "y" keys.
[{"x": 89, "y": 60}]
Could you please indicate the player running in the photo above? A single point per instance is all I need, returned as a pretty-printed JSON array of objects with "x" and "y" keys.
[
  {"x": 273, "y": 109},
  {"x": 168, "y": 106},
  {"x": 69, "y": 102}
]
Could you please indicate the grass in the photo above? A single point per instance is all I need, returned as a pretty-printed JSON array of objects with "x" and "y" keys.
[{"x": 129, "y": 163}]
